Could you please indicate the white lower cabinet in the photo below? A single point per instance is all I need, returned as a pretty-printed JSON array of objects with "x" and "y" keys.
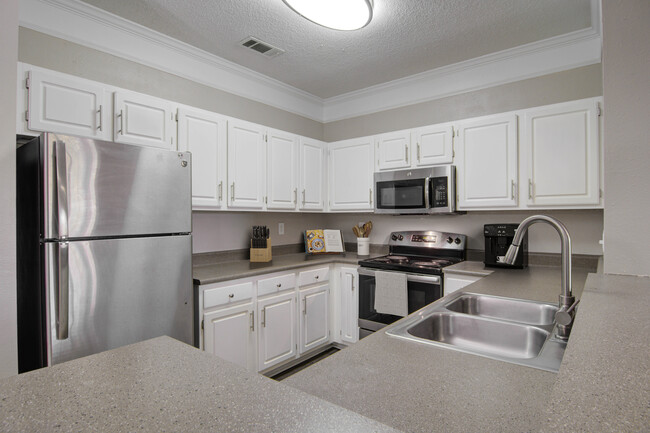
[
  {"x": 454, "y": 282},
  {"x": 277, "y": 329},
  {"x": 349, "y": 289},
  {"x": 314, "y": 317},
  {"x": 230, "y": 334}
]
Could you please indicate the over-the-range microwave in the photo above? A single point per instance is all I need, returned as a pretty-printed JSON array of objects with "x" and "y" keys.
[{"x": 418, "y": 191}]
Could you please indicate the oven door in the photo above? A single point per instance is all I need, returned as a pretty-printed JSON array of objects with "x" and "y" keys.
[
  {"x": 421, "y": 290},
  {"x": 402, "y": 196}
]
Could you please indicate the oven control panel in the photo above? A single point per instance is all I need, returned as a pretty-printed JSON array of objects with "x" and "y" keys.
[{"x": 428, "y": 239}]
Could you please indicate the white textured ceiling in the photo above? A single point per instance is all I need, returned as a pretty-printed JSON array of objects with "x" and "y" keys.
[{"x": 405, "y": 37}]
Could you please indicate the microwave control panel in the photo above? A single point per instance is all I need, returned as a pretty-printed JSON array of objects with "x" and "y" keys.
[{"x": 440, "y": 192}]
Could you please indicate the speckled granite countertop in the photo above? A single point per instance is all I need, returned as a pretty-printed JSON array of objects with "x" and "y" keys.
[
  {"x": 164, "y": 385},
  {"x": 420, "y": 388},
  {"x": 604, "y": 382},
  {"x": 224, "y": 271}
]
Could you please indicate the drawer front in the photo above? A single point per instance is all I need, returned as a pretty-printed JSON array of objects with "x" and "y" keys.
[
  {"x": 313, "y": 276},
  {"x": 276, "y": 284},
  {"x": 227, "y": 295}
]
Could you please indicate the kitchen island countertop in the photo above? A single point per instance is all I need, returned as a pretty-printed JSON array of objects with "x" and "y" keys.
[{"x": 164, "y": 385}]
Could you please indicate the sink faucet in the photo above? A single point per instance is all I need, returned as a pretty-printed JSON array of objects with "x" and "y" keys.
[{"x": 564, "y": 317}]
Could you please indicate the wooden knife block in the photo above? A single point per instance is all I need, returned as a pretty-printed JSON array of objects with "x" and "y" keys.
[{"x": 261, "y": 255}]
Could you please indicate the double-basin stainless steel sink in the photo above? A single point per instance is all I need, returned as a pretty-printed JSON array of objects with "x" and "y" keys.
[{"x": 506, "y": 329}]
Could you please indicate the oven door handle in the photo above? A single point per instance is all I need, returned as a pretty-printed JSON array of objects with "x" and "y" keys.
[{"x": 432, "y": 279}]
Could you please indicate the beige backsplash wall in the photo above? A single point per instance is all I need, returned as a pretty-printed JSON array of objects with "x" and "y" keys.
[{"x": 223, "y": 231}]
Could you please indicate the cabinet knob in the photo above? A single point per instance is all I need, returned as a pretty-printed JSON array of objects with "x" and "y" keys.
[
  {"x": 316, "y": 277},
  {"x": 232, "y": 295},
  {"x": 279, "y": 284}
]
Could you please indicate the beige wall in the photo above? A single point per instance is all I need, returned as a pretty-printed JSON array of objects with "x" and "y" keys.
[
  {"x": 8, "y": 56},
  {"x": 563, "y": 86},
  {"x": 223, "y": 231},
  {"x": 626, "y": 88},
  {"x": 57, "y": 54}
]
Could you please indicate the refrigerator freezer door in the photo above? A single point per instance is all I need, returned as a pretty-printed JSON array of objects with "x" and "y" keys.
[
  {"x": 95, "y": 189},
  {"x": 119, "y": 291}
]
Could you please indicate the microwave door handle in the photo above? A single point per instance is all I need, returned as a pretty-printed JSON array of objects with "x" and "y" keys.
[{"x": 427, "y": 198}]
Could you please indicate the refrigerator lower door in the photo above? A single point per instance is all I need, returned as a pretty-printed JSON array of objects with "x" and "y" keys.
[{"x": 107, "y": 293}]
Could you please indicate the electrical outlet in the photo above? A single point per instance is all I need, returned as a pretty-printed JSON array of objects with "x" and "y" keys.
[{"x": 280, "y": 228}]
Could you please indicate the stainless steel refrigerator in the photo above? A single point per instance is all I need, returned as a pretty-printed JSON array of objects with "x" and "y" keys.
[{"x": 104, "y": 247}]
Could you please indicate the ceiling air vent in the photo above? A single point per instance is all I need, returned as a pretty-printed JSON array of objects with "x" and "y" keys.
[{"x": 261, "y": 47}]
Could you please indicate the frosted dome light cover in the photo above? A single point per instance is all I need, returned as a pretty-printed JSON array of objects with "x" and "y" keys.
[{"x": 335, "y": 14}]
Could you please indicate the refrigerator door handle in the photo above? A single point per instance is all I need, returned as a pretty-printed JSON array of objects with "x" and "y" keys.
[
  {"x": 61, "y": 189},
  {"x": 62, "y": 292}
]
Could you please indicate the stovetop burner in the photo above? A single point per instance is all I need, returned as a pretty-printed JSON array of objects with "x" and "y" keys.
[{"x": 420, "y": 252}]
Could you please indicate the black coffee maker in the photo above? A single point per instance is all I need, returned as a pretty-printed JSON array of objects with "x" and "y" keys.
[{"x": 498, "y": 238}]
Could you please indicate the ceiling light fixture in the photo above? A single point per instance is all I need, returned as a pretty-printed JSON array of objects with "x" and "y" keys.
[{"x": 335, "y": 14}]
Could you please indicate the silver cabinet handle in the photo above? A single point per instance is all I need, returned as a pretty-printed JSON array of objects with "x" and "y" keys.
[
  {"x": 530, "y": 189},
  {"x": 101, "y": 126},
  {"x": 252, "y": 321},
  {"x": 304, "y": 312},
  {"x": 264, "y": 317},
  {"x": 513, "y": 186},
  {"x": 62, "y": 292},
  {"x": 121, "y": 117},
  {"x": 220, "y": 191},
  {"x": 61, "y": 188},
  {"x": 232, "y": 192},
  {"x": 406, "y": 153},
  {"x": 418, "y": 151},
  {"x": 352, "y": 286},
  {"x": 295, "y": 196},
  {"x": 370, "y": 195},
  {"x": 303, "y": 197}
]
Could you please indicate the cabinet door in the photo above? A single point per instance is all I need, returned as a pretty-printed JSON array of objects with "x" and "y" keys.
[
  {"x": 314, "y": 317},
  {"x": 433, "y": 145},
  {"x": 349, "y": 305},
  {"x": 144, "y": 120},
  {"x": 246, "y": 165},
  {"x": 277, "y": 329},
  {"x": 351, "y": 174},
  {"x": 282, "y": 163},
  {"x": 562, "y": 145},
  {"x": 204, "y": 134},
  {"x": 229, "y": 333},
  {"x": 393, "y": 150},
  {"x": 65, "y": 104},
  {"x": 486, "y": 162},
  {"x": 312, "y": 174}
]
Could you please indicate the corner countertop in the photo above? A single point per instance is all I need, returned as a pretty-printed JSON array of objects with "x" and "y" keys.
[
  {"x": 224, "y": 271},
  {"x": 420, "y": 388},
  {"x": 164, "y": 385}
]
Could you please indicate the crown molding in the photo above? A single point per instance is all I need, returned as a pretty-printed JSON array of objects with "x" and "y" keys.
[
  {"x": 86, "y": 25},
  {"x": 560, "y": 53},
  {"x": 95, "y": 28}
]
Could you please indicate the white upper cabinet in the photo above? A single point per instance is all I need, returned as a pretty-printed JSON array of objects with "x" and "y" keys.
[
  {"x": 204, "y": 134},
  {"x": 282, "y": 185},
  {"x": 144, "y": 120},
  {"x": 486, "y": 162},
  {"x": 562, "y": 147},
  {"x": 433, "y": 145},
  {"x": 68, "y": 105},
  {"x": 351, "y": 167},
  {"x": 393, "y": 150},
  {"x": 312, "y": 174},
  {"x": 246, "y": 165}
]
